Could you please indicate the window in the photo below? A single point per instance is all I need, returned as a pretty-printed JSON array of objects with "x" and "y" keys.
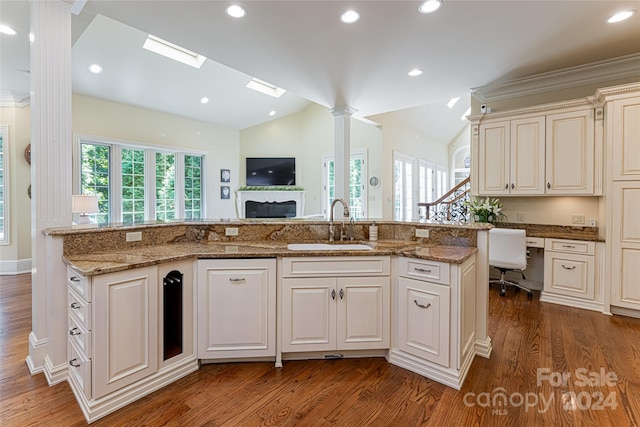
[
  {"x": 426, "y": 181},
  {"x": 442, "y": 181},
  {"x": 403, "y": 187},
  {"x": 357, "y": 181},
  {"x": 138, "y": 183},
  {"x": 4, "y": 187}
]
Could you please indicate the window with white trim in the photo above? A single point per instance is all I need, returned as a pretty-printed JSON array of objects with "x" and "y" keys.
[
  {"x": 4, "y": 187},
  {"x": 404, "y": 207},
  {"x": 357, "y": 183},
  {"x": 139, "y": 183}
]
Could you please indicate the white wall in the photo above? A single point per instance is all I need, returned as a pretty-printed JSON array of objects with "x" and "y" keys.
[
  {"x": 16, "y": 256},
  {"x": 306, "y": 136},
  {"x": 398, "y": 136},
  {"x": 109, "y": 119}
]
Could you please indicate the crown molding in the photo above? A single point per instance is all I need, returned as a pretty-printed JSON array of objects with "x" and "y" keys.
[
  {"x": 622, "y": 67},
  {"x": 14, "y": 99}
]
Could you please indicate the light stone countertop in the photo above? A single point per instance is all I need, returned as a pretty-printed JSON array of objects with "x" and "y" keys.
[{"x": 112, "y": 261}]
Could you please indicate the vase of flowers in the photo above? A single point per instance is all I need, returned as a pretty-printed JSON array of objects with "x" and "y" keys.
[{"x": 487, "y": 210}]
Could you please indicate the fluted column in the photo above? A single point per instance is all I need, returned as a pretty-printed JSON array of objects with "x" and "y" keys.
[
  {"x": 50, "y": 181},
  {"x": 343, "y": 153}
]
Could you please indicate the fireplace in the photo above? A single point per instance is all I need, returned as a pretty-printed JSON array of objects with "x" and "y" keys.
[
  {"x": 255, "y": 209},
  {"x": 270, "y": 204}
]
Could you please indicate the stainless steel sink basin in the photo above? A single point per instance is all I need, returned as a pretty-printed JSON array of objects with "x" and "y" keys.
[{"x": 328, "y": 247}]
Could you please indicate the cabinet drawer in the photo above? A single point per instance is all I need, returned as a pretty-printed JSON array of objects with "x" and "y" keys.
[
  {"x": 79, "y": 282},
  {"x": 431, "y": 271},
  {"x": 79, "y": 369},
  {"x": 570, "y": 246},
  {"x": 569, "y": 274},
  {"x": 335, "y": 266},
  {"x": 535, "y": 242},
  {"x": 80, "y": 336},
  {"x": 79, "y": 309}
]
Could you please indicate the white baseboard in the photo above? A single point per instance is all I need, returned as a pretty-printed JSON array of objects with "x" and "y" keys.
[{"x": 13, "y": 267}]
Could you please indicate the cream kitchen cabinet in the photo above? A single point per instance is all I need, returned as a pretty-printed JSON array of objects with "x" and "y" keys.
[
  {"x": 335, "y": 304},
  {"x": 236, "y": 308},
  {"x": 511, "y": 155},
  {"x": 112, "y": 329},
  {"x": 570, "y": 149},
  {"x": 434, "y": 323}
]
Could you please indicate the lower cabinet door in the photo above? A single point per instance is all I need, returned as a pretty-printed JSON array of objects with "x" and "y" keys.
[
  {"x": 569, "y": 274},
  {"x": 236, "y": 306},
  {"x": 125, "y": 328},
  {"x": 309, "y": 314},
  {"x": 423, "y": 320},
  {"x": 363, "y": 313}
]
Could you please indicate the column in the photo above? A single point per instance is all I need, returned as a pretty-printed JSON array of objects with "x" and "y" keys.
[
  {"x": 343, "y": 154},
  {"x": 50, "y": 181}
]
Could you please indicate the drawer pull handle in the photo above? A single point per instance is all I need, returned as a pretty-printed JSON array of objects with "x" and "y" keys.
[
  {"x": 72, "y": 363},
  {"x": 341, "y": 293},
  {"x": 75, "y": 331},
  {"x": 568, "y": 268},
  {"x": 420, "y": 305},
  {"x": 569, "y": 246},
  {"x": 422, "y": 270},
  {"x": 240, "y": 280},
  {"x": 333, "y": 294},
  {"x": 75, "y": 305},
  {"x": 74, "y": 279}
]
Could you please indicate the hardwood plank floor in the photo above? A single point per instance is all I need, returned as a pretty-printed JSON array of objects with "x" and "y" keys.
[{"x": 527, "y": 335}]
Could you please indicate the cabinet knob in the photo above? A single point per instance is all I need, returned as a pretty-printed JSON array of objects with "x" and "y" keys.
[
  {"x": 72, "y": 362},
  {"x": 513, "y": 186},
  {"x": 341, "y": 293},
  {"x": 506, "y": 186},
  {"x": 333, "y": 294},
  {"x": 75, "y": 331},
  {"x": 420, "y": 305},
  {"x": 75, "y": 305},
  {"x": 549, "y": 185}
]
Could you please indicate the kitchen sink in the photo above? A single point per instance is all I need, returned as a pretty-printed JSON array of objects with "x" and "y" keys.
[{"x": 328, "y": 247}]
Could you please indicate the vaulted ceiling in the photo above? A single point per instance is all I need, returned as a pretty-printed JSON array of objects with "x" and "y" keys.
[{"x": 303, "y": 47}]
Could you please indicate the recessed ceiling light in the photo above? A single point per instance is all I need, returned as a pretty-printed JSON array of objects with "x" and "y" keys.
[
  {"x": 620, "y": 16},
  {"x": 415, "y": 72},
  {"x": 235, "y": 11},
  {"x": 204, "y": 100},
  {"x": 452, "y": 102},
  {"x": 173, "y": 51},
  {"x": 95, "y": 68},
  {"x": 430, "y": 6},
  {"x": 5, "y": 29},
  {"x": 266, "y": 88},
  {"x": 272, "y": 113},
  {"x": 350, "y": 16}
]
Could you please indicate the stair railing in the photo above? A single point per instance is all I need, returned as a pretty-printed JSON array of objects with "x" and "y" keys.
[{"x": 450, "y": 207}]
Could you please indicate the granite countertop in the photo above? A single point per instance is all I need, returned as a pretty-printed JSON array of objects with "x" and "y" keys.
[{"x": 112, "y": 261}]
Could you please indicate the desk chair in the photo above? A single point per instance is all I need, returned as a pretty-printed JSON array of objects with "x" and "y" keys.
[{"x": 508, "y": 252}]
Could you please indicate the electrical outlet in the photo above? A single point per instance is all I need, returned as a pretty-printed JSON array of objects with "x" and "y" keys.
[
  {"x": 134, "y": 236},
  {"x": 520, "y": 217},
  {"x": 593, "y": 223},
  {"x": 577, "y": 219},
  {"x": 231, "y": 231},
  {"x": 423, "y": 233}
]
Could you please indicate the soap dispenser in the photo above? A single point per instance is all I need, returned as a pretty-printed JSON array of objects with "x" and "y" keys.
[{"x": 373, "y": 232}]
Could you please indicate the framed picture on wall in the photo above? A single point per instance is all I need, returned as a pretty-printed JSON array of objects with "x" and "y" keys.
[
  {"x": 225, "y": 192},
  {"x": 225, "y": 175}
]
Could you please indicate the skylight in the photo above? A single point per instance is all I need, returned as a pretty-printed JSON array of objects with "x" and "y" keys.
[
  {"x": 452, "y": 102},
  {"x": 266, "y": 88},
  {"x": 172, "y": 51}
]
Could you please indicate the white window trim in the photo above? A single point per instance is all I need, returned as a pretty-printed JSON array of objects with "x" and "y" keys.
[
  {"x": 115, "y": 173},
  {"x": 406, "y": 158},
  {"x": 6, "y": 238},
  {"x": 326, "y": 158}
]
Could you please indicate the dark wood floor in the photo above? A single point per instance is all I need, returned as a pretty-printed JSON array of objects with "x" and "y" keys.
[{"x": 527, "y": 335}]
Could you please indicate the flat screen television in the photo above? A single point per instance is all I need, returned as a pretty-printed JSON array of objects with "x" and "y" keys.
[{"x": 269, "y": 171}]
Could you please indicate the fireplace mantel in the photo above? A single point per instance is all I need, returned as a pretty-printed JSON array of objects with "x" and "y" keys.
[{"x": 269, "y": 196}]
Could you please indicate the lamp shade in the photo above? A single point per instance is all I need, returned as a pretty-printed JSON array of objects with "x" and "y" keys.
[{"x": 83, "y": 204}]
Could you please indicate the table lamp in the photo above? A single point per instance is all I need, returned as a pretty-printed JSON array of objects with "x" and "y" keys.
[{"x": 84, "y": 205}]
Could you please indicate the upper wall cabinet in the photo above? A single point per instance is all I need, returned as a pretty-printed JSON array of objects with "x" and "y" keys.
[
  {"x": 542, "y": 150},
  {"x": 512, "y": 155},
  {"x": 623, "y": 132},
  {"x": 570, "y": 153}
]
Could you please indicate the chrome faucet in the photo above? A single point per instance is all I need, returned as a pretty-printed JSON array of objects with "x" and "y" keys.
[{"x": 332, "y": 228}]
